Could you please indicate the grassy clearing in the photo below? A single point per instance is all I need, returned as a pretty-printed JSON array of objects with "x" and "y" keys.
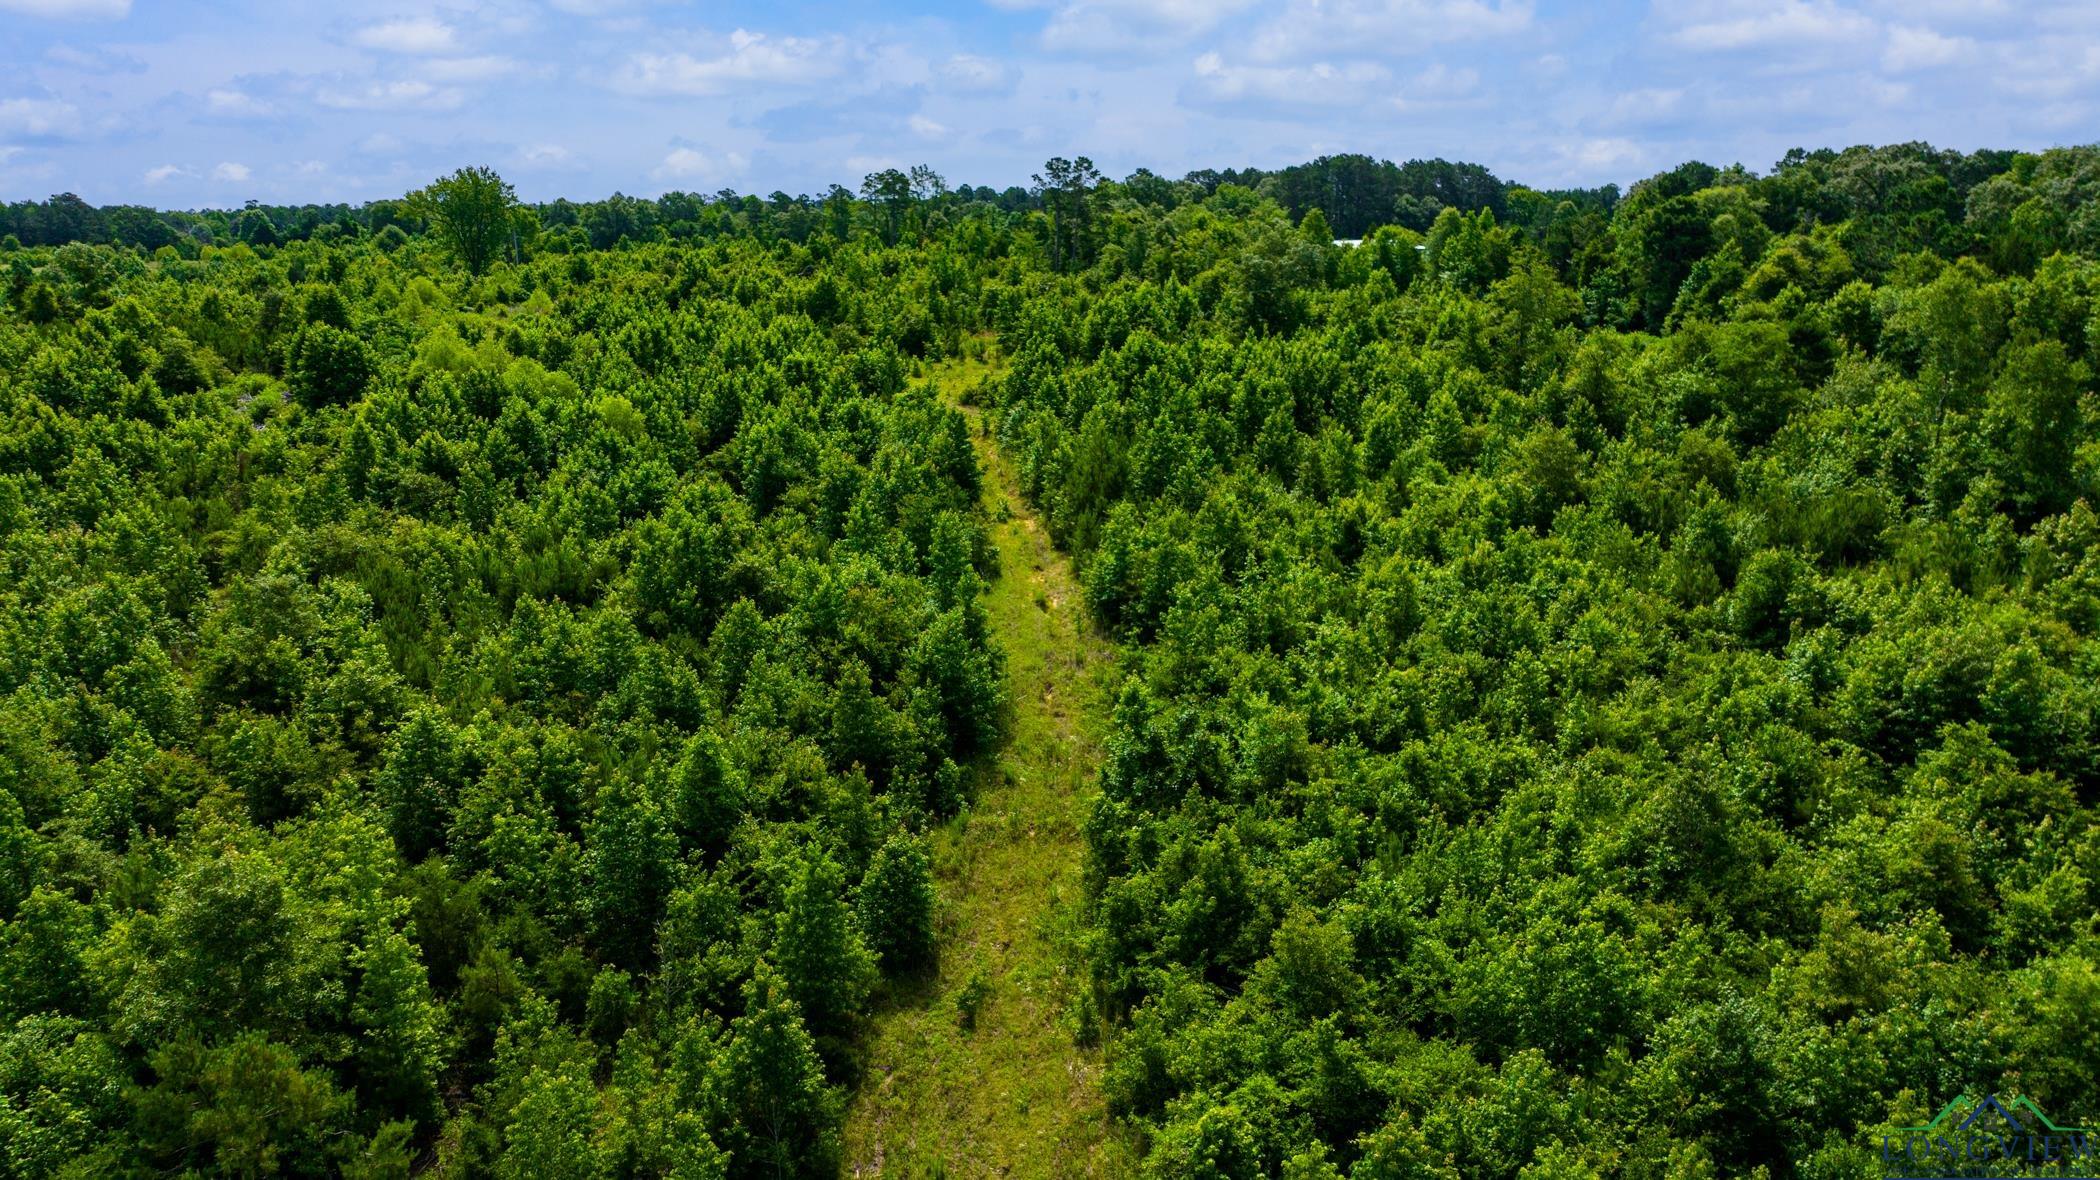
[{"x": 973, "y": 1069}]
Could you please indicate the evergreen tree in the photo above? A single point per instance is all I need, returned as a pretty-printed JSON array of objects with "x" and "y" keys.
[
  {"x": 329, "y": 367},
  {"x": 401, "y": 1044},
  {"x": 896, "y": 905},
  {"x": 824, "y": 965},
  {"x": 630, "y": 849},
  {"x": 779, "y": 1117},
  {"x": 707, "y": 793}
]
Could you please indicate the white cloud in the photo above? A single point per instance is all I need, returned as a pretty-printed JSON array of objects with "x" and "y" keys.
[
  {"x": 70, "y": 9},
  {"x": 1594, "y": 161},
  {"x": 1118, "y": 25},
  {"x": 165, "y": 173},
  {"x": 30, "y": 171},
  {"x": 1724, "y": 25},
  {"x": 1646, "y": 105},
  {"x": 235, "y": 104},
  {"x": 747, "y": 59},
  {"x": 94, "y": 61},
  {"x": 391, "y": 96},
  {"x": 1913, "y": 48},
  {"x": 970, "y": 74},
  {"x": 1318, "y": 84},
  {"x": 230, "y": 173},
  {"x": 546, "y": 155},
  {"x": 379, "y": 143},
  {"x": 2050, "y": 70},
  {"x": 691, "y": 164},
  {"x": 469, "y": 69},
  {"x": 928, "y": 129},
  {"x": 38, "y": 117},
  {"x": 419, "y": 34},
  {"x": 1385, "y": 27}
]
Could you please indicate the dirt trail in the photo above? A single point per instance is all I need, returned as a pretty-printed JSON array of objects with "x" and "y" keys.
[{"x": 1013, "y": 1095}]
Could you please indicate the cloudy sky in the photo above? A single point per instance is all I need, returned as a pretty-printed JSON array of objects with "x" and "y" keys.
[{"x": 211, "y": 102}]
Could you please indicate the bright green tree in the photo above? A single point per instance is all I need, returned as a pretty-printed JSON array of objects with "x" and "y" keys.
[{"x": 471, "y": 213}]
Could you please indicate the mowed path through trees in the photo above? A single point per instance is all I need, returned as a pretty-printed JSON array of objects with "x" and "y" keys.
[{"x": 1005, "y": 1091}]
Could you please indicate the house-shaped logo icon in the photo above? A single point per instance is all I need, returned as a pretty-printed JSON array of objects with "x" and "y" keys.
[
  {"x": 1971, "y": 1132},
  {"x": 1980, "y": 1119}
]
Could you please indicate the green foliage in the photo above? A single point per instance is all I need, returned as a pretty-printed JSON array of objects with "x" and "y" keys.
[
  {"x": 471, "y": 212},
  {"x": 409, "y": 764},
  {"x": 1610, "y": 682},
  {"x": 896, "y": 905},
  {"x": 1588, "y": 678},
  {"x": 780, "y": 1117},
  {"x": 824, "y": 964},
  {"x": 329, "y": 367}
]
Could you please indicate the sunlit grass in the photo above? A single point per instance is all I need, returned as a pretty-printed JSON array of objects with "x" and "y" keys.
[{"x": 975, "y": 1069}]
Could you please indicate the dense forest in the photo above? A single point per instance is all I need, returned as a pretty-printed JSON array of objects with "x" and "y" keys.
[{"x": 1610, "y": 683}]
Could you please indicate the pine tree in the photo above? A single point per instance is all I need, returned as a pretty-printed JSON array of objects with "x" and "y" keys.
[
  {"x": 779, "y": 1117},
  {"x": 401, "y": 1048},
  {"x": 896, "y": 905},
  {"x": 706, "y": 793},
  {"x": 826, "y": 967},
  {"x": 420, "y": 781},
  {"x": 629, "y": 852},
  {"x": 858, "y": 721}
]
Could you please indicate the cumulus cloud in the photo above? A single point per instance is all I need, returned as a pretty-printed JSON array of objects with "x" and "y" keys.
[
  {"x": 926, "y": 128},
  {"x": 419, "y": 35},
  {"x": 70, "y": 9},
  {"x": 691, "y": 164},
  {"x": 545, "y": 155},
  {"x": 967, "y": 73},
  {"x": 230, "y": 173},
  {"x": 38, "y": 117},
  {"x": 1385, "y": 27},
  {"x": 407, "y": 94},
  {"x": 1594, "y": 157},
  {"x": 235, "y": 104},
  {"x": 1914, "y": 48},
  {"x": 746, "y": 59},
  {"x": 1120, "y": 25},
  {"x": 165, "y": 173},
  {"x": 1732, "y": 25},
  {"x": 1318, "y": 84}
]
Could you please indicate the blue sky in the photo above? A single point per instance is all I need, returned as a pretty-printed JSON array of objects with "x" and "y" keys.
[{"x": 212, "y": 102}]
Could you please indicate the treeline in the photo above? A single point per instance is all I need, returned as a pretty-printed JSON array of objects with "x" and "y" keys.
[{"x": 1358, "y": 194}]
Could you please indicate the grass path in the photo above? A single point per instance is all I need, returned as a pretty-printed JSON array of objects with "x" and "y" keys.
[{"x": 1014, "y": 1095}]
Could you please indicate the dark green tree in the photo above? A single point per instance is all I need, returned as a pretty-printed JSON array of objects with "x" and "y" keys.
[{"x": 896, "y": 905}]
